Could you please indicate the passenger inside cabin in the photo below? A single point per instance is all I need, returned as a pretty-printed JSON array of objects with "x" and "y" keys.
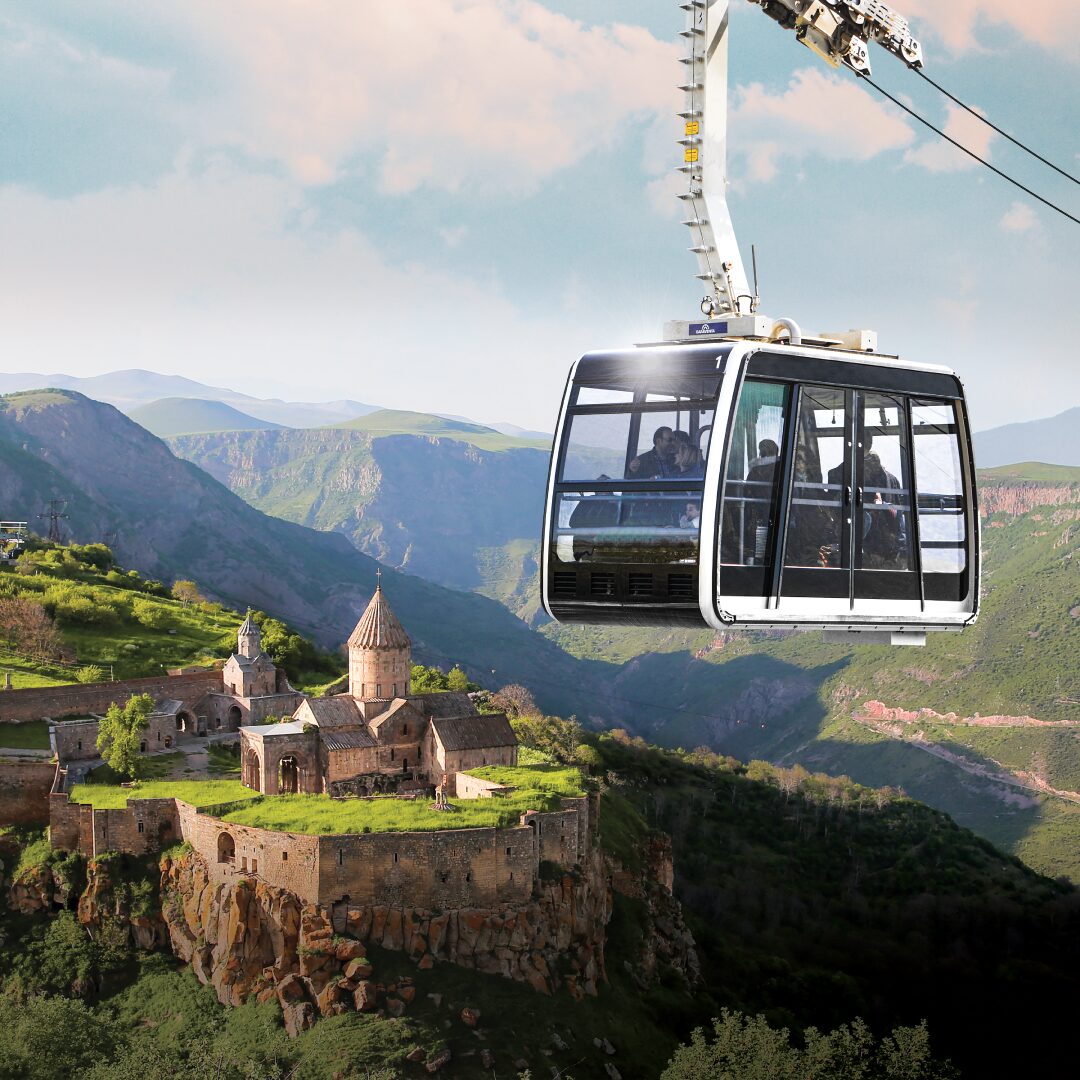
[
  {"x": 689, "y": 461},
  {"x": 657, "y": 463},
  {"x": 884, "y": 534}
]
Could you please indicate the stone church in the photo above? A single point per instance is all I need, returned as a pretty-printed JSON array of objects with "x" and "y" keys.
[{"x": 377, "y": 737}]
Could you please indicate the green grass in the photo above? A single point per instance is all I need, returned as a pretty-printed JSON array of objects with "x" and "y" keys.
[
  {"x": 198, "y": 793},
  {"x": 402, "y": 422},
  {"x": 1034, "y": 470},
  {"x": 31, "y": 736},
  {"x": 223, "y": 761},
  {"x": 319, "y": 815},
  {"x": 147, "y": 768},
  {"x": 558, "y": 779}
]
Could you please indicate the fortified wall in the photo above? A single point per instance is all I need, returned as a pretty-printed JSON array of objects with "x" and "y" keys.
[
  {"x": 443, "y": 869},
  {"x": 24, "y": 791},
  {"x": 50, "y": 702}
]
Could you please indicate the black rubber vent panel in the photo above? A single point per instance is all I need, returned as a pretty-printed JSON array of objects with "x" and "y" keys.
[
  {"x": 640, "y": 584},
  {"x": 681, "y": 587},
  {"x": 564, "y": 583},
  {"x": 602, "y": 585}
]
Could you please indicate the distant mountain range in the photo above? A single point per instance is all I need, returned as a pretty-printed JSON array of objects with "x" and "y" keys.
[
  {"x": 455, "y": 502},
  {"x": 187, "y": 416},
  {"x": 128, "y": 390},
  {"x": 169, "y": 519},
  {"x": 1055, "y": 441},
  {"x": 134, "y": 390}
]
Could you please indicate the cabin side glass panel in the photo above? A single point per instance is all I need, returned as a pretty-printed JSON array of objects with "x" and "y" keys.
[
  {"x": 626, "y": 515},
  {"x": 844, "y": 495}
]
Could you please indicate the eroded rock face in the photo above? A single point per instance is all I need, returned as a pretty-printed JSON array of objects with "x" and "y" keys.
[
  {"x": 247, "y": 937},
  {"x": 667, "y": 942}
]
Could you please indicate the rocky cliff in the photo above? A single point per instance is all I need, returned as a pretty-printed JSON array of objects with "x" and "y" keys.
[
  {"x": 438, "y": 507},
  {"x": 251, "y": 938}
]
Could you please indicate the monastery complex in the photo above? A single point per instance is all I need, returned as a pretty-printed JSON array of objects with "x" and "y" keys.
[{"x": 376, "y": 739}]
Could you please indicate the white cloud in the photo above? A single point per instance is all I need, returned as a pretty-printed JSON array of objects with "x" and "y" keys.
[
  {"x": 492, "y": 93},
  {"x": 817, "y": 114},
  {"x": 938, "y": 156},
  {"x": 207, "y": 275},
  {"x": 1020, "y": 218},
  {"x": 1046, "y": 22}
]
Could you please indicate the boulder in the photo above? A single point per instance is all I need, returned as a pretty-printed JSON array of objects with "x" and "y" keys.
[
  {"x": 470, "y": 1017},
  {"x": 359, "y": 968},
  {"x": 438, "y": 1061},
  {"x": 395, "y": 1007},
  {"x": 298, "y": 1017},
  {"x": 415, "y": 1055},
  {"x": 366, "y": 996}
]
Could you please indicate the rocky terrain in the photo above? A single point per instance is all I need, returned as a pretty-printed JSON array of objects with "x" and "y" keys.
[{"x": 440, "y": 507}]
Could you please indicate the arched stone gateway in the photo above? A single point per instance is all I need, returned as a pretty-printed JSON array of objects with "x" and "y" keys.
[
  {"x": 289, "y": 776},
  {"x": 226, "y": 848},
  {"x": 236, "y": 716},
  {"x": 252, "y": 771}
]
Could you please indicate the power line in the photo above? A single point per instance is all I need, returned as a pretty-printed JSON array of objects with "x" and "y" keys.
[
  {"x": 970, "y": 153},
  {"x": 978, "y": 115}
]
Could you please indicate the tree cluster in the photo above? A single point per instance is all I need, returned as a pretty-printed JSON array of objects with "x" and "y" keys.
[{"x": 26, "y": 628}]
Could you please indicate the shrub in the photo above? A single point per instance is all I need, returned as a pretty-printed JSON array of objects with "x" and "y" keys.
[
  {"x": 90, "y": 673},
  {"x": 149, "y": 614}
]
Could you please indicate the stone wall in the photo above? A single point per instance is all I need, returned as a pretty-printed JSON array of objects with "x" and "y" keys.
[
  {"x": 455, "y": 868},
  {"x": 24, "y": 792},
  {"x": 76, "y": 740},
  {"x": 459, "y": 761},
  {"x": 49, "y": 702}
]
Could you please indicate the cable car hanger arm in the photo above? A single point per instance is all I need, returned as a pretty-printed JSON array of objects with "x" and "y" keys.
[{"x": 837, "y": 30}]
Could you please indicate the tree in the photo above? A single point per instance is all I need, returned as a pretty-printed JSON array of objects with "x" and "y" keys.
[
  {"x": 151, "y": 615},
  {"x": 28, "y": 629},
  {"x": 516, "y": 701},
  {"x": 457, "y": 680},
  {"x": 187, "y": 592},
  {"x": 119, "y": 733},
  {"x": 746, "y": 1048}
]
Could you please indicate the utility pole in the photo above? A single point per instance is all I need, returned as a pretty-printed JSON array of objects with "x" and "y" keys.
[{"x": 55, "y": 515}]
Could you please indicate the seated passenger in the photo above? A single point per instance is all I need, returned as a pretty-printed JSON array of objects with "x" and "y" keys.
[
  {"x": 659, "y": 462},
  {"x": 813, "y": 529},
  {"x": 689, "y": 461},
  {"x": 692, "y": 518},
  {"x": 765, "y": 463}
]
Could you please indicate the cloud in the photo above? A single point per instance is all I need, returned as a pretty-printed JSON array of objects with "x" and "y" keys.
[
  {"x": 938, "y": 156},
  {"x": 1020, "y": 218},
  {"x": 489, "y": 93},
  {"x": 218, "y": 275},
  {"x": 1045, "y": 22},
  {"x": 817, "y": 114}
]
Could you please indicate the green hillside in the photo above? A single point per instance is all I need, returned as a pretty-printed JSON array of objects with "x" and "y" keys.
[
  {"x": 789, "y": 698},
  {"x": 1033, "y": 470},
  {"x": 184, "y": 416},
  {"x": 449, "y": 509},
  {"x": 403, "y": 422},
  {"x": 812, "y": 901}
]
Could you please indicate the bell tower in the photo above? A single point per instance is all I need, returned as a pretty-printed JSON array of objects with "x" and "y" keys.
[
  {"x": 380, "y": 653},
  {"x": 248, "y": 639}
]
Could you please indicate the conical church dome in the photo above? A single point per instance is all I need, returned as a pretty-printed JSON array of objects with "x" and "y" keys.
[{"x": 379, "y": 627}]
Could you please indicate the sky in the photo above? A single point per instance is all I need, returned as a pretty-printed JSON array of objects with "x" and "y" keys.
[{"x": 440, "y": 206}]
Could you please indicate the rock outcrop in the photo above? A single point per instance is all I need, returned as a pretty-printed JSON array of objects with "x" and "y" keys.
[
  {"x": 247, "y": 937},
  {"x": 666, "y": 942}
]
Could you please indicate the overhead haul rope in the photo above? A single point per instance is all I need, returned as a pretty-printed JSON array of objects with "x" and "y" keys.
[
  {"x": 974, "y": 112},
  {"x": 970, "y": 153}
]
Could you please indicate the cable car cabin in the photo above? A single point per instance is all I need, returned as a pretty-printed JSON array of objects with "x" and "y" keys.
[{"x": 738, "y": 484}]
